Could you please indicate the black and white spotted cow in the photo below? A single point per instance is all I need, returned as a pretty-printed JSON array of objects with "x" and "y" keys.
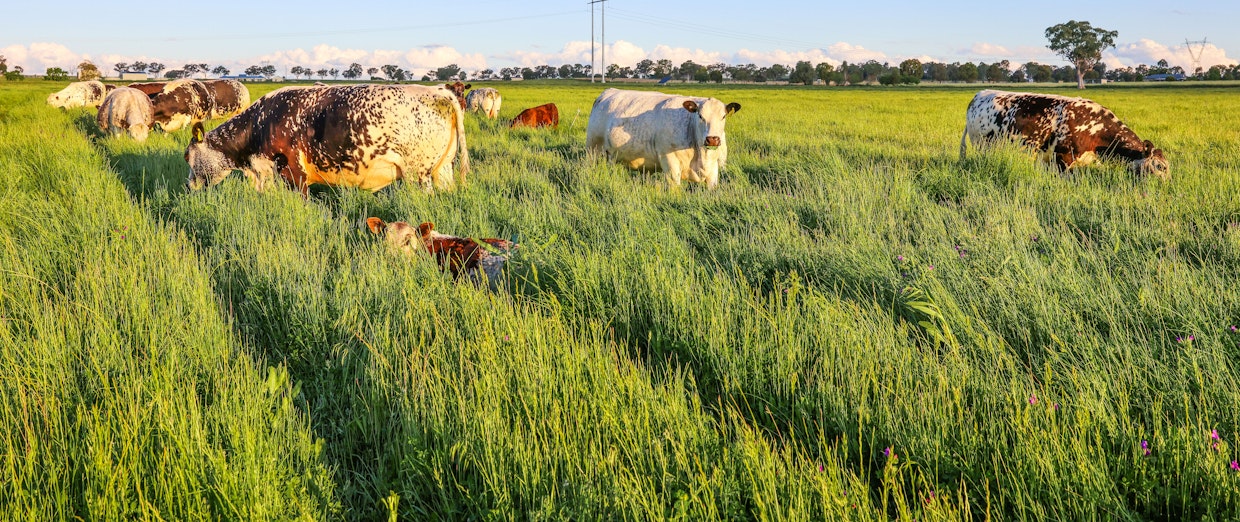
[
  {"x": 1067, "y": 131},
  {"x": 80, "y": 94},
  {"x": 364, "y": 136}
]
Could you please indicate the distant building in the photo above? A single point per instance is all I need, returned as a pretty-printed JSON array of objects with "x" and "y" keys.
[
  {"x": 129, "y": 76},
  {"x": 245, "y": 77},
  {"x": 1165, "y": 77}
]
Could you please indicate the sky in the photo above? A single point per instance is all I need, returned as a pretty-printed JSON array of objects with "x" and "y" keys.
[{"x": 478, "y": 34}]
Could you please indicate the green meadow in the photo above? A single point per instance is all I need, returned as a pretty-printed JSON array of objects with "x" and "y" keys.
[{"x": 856, "y": 325}]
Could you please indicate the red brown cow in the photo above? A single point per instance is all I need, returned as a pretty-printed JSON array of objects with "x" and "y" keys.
[
  {"x": 178, "y": 103},
  {"x": 458, "y": 255},
  {"x": 1068, "y": 131},
  {"x": 148, "y": 88},
  {"x": 547, "y": 115},
  {"x": 459, "y": 89}
]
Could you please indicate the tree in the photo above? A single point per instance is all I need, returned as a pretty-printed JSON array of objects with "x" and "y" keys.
[
  {"x": 190, "y": 69},
  {"x": 448, "y": 72},
  {"x": 55, "y": 74},
  {"x": 1080, "y": 44},
  {"x": 688, "y": 69},
  {"x": 138, "y": 67},
  {"x": 644, "y": 67},
  {"x": 803, "y": 73},
  {"x": 661, "y": 68},
  {"x": 268, "y": 70},
  {"x": 393, "y": 72},
  {"x": 4, "y": 64},
  {"x": 321, "y": 72},
  {"x": 155, "y": 68},
  {"x": 220, "y": 70},
  {"x": 295, "y": 71},
  {"x": 911, "y": 67},
  {"x": 998, "y": 72},
  {"x": 175, "y": 73},
  {"x": 372, "y": 72},
  {"x": 120, "y": 68},
  {"x": 968, "y": 72},
  {"x": 353, "y": 72},
  {"x": 203, "y": 68},
  {"x": 334, "y": 72},
  {"x": 87, "y": 71},
  {"x": 15, "y": 74}
]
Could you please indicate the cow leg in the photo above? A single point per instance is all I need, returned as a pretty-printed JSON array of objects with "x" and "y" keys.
[
  {"x": 671, "y": 166},
  {"x": 294, "y": 174}
]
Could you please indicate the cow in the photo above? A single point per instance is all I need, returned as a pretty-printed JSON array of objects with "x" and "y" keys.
[
  {"x": 458, "y": 89},
  {"x": 485, "y": 99},
  {"x": 231, "y": 97},
  {"x": 458, "y": 255},
  {"x": 80, "y": 94},
  {"x": 680, "y": 135},
  {"x": 1067, "y": 131},
  {"x": 179, "y": 103},
  {"x": 546, "y": 115},
  {"x": 126, "y": 110},
  {"x": 363, "y": 136},
  {"x": 150, "y": 88}
]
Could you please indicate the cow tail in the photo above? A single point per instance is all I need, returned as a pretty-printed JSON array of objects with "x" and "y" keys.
[
  {"x": 963, "y": 136},
  {"x": 462, "y": 150}
]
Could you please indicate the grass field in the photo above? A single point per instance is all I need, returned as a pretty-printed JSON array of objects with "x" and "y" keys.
[{"x": 856, "y": 325}]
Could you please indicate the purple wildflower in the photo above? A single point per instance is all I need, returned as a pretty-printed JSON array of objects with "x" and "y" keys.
[
  {"x": 1235, "y": 466},
  {"x": 1145, "y": 447},
  {"x": 820, "y": 468},
  {"x": 931, "y": 267},
  {"x": 888, "y": 453},
  {"x": 1033, "y": 398},
  {"x": 901, "y": 259},
  {"x": 505, "y": 337},
  {"x": 1235, "y": 328},
  {"x": 1056, "y": 406},
  {"x": 1214, "y": 434}
]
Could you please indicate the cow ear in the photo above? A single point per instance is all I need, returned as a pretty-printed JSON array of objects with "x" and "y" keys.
[
  {"x": 732, "y": 108},
  {"x": 1149, "y": 148},
  {"x": 469, "y": 86},
  {"x": 198, "y": 134},
  {"x": 425, "y": 228},
  {"x": 375, "y": 225},
  {"x": 691, "y": 106}
]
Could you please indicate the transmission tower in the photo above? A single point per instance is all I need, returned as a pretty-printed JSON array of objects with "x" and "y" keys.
[
  {"x": 1196, "y": 56},
  {"x": 603, "y": 20}
]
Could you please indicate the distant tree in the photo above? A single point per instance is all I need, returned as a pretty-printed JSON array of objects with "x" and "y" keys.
[
  {"x": 448, "y": 72},
  {"x": 1017, "y": 77},
  {"x": 334, "y": 72},
  {"x": 644, "y": 67},
  {"x": 393, "y": 72},
  {"x": 938, "y": 72},
  {"x": 220, "y": 70},
  {"x": 661, "y": 68},
  {"x": 87, "y": 71},
  {"x": 120, "y": 68},
  {"x": 295, "y": 70},
  {"x": 254, "y": 70},
  {"x": 968, "y": 72},
  {"x": 353, "y": 72},
  {"x": 203, "y": 68},
  {"x": 824, "y": 71},
  {"x": 485, "y": 74},
  {"x": 998, "y": 72},
  {"x": 138, "y": 67},
  {"x": 322, "y": 73},
  {"x": 55, "y": 74},
  {"x": 268, "y": 70},
  {"x": 508, "y": 73},
  {"x": 4, "y": 64},
  {"x": 14, "y": 74},
  {"x": 1081, "y": 44},
  {"x": 372, "y": 72},
  {"x": 528, "y": 74},
  {"x": 190, "y": 69},
  {"x": 175, "y": 74},
  {"x": 688, "y": 69},
  {"x": 155, "y": 68},
  {"x": 911, "y": 67},
  {"x": 778, "y": 72},
  {"x": 803, "y": 73},
  {"x": 715, "y": 75}
]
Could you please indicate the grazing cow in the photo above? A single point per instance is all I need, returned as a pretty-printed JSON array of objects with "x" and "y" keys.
[
  {"x": 546, "y": 115},
  {"x": 180, "y": 103},
  {"x": 458, "y": 89},
  {"x": 1068, "y": 131},
  {"x": 363, "y": 136},
  {"x": 126, "y": 110},
  {"x": 459, "y": 255},
  {"x": 682, "y": 136},
  {"x": 231, "y": 97},
  {"x": 80, "y": 94},
  {"x": 150, "y": 88},
  {"x": 485, "y": 99}
]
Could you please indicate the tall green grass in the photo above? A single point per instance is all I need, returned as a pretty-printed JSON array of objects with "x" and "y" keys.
[{"x": 1009, "y": 333}]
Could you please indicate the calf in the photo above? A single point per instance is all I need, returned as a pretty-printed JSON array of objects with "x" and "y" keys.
[
  {"x": 458, "y": 89},
  {"x": 1068, "y": 131},
  {"x": 682, "y": 136},
  {"x": 364, "y": 136},
  {"x": 458, "y": 255},
  {"x": 126, "y": 110},
  {"x": 80, "y": 94},
  {"x": 547, "y": 115}
]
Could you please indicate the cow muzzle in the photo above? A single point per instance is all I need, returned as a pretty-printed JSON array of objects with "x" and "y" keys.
[{"x": 712, "y": 142}]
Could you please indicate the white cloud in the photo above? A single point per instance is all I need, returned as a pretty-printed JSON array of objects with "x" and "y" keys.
[
  {"x": 1150, "y": 52},
  {"x": 38, "y": 56}
]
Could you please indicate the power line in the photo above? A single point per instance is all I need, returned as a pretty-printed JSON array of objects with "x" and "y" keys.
[{"x": 710, "y": 30}]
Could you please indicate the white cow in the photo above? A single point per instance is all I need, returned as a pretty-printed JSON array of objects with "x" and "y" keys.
[
  {"x": 126, "y": 110},
  {"x": 682, "y": 136},
  {"x": 486, "y": 99},
  {"x": 80, "y": 94}
]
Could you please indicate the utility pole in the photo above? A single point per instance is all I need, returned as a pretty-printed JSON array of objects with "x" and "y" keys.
[{"x": 603, "y": 25}]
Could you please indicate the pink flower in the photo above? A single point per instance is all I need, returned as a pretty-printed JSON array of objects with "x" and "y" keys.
[
  {"x": 1214, "y": 434},
  {"x": 1235, "y": 466},
  {"x": 1033, "y": 399}
]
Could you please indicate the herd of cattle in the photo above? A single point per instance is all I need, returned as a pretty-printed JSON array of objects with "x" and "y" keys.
[{"x": 368, "y": 136}]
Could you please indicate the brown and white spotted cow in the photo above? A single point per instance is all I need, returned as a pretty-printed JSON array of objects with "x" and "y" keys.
[
  {"x": 231, "y": 97},
  {"x": 458, "y": 89},
  {"x": 364, "y": 136},
  {"x": 80, "y": 94},
  {"x": 1067, "y": 131},
  {"x": 546, "y": 115},
  {"x": 486, "y": 99},
  {"x": 178, "y": 103},
  {"x": 459, "y": 255},
  {"x": 126, "y": 110}
]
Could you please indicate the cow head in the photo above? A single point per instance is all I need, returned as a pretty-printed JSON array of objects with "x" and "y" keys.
[
  {"x": 1152, "y": 162},
  {"x": 710, "y": 118},
  {"x": 458, "y": 89},
  {"x": 400, "y": 235},
  {"x": 207, "y": 166}
]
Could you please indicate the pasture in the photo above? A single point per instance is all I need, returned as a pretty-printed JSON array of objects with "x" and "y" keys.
[{"x": 855, "y": 325}]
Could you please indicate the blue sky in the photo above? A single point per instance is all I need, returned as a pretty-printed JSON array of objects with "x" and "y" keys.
[{"x": 497, "y": 33}]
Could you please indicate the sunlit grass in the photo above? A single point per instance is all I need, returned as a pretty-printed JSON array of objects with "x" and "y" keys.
[{"x": 749, "y": 352}]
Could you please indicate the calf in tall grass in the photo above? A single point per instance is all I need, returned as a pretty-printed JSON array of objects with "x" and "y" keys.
[{"x": 458, "y": 255}]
